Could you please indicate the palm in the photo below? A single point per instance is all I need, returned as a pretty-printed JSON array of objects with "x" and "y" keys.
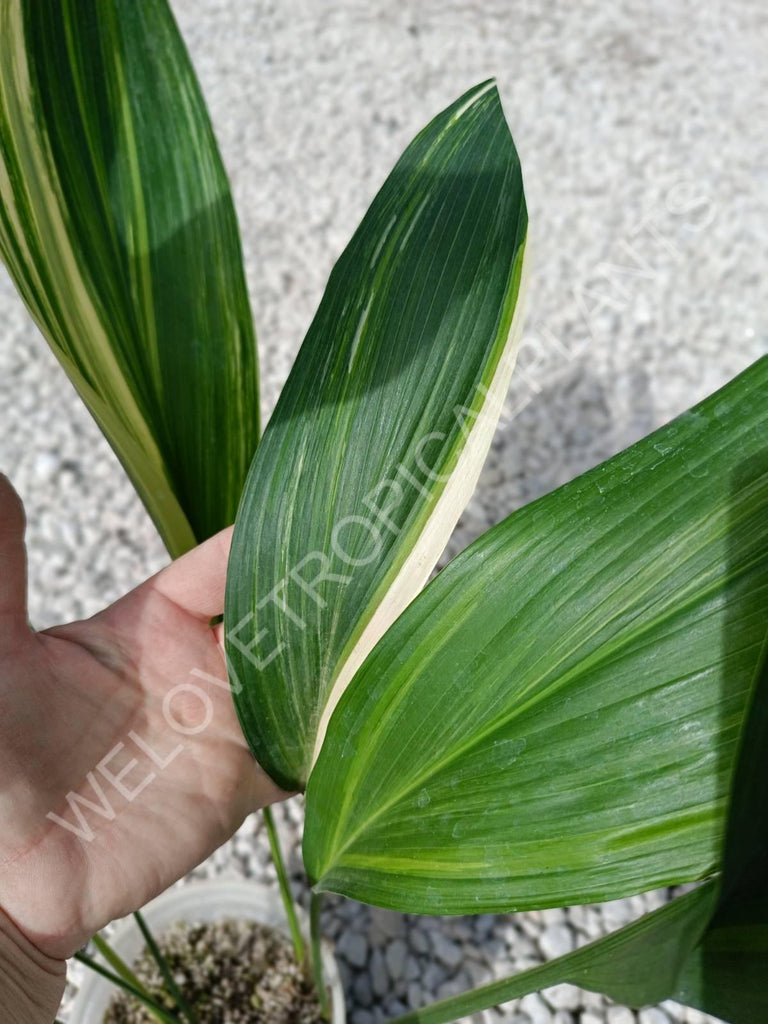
[{"x": 140, "y": 674}]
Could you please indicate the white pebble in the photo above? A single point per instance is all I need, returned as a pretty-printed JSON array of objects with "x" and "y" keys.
[
  {"x": 620, "y": 1015},
  {"x": 447, "y": 952},
  {"x": 534, "y": 1007},
  {"x": 653, "y": 1015},
  {"x": 562, "y": 1017},
  {"x": 556, "y": 940},
  {"x": 563, "y": 997},
  {"x": 616, "y": 913}
]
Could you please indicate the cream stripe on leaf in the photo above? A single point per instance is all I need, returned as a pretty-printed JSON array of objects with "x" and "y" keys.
[
  {"x": 378, "y": 438},
  {"x": 117, "y": 226},
  {"x": 555, "y": 719}
]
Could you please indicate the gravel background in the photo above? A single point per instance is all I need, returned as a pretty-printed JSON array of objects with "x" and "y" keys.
[{"x": 639, "y": 124}]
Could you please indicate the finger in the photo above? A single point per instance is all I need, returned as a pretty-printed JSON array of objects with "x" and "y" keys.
[
  {"x": 196, "y": 581},
  {"x": 13, "y": 560}
]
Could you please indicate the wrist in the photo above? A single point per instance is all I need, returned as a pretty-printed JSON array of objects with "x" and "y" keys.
[{"x": 31, "y": 983}]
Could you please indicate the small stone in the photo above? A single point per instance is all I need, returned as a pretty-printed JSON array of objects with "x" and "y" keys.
[
  {"x": 459, "y": 928},
  {"x": 385, "y": 925},
  {"x": 418, "y": 941},
  {"x": 46, "y": 464},
  {"x": 353, "y": 946},
  {"x": 362, "y": 990},
  {"x": 395, "y": 956},
  {"x": 653, "y": 1015},
  {"x": 637, "y": 906},
  {"x": 379, "y": 974},
  {"x": 616, "y": 913},
  {"x": 452, "y": 987},
  {"x": 433, "y": 978},
  {"x": 394, "y": 1007},
  {"x": 479, "y": 973},
  {"x": 346, "y": 974},
  {"x": 556, "y": 940},
  {"x": 534, "y": 1007},
  {"x": 484, "y": 924},
  {"x": 553, "y": 915},
  {"x": 563, "y": 1017},
  {"x": 619, "y": 1015},
  {"x": 362, "y": 1017},
  {"x": 587, "y": 920},
  {"x": 563, "y": 997},
  {"x": 414, "y": 997},
  {"x": 413, "y": 968},
  {"x": 530, "y": 924},
  {"x": 592, "y": 1017},
  {"x": 693, "y": 1016},
  {"x": 493, "y": 948},
  {"x": 447, "y": 952},
  {"x": 655, "y": 899},
  {"x": 593, "y": 1001}
]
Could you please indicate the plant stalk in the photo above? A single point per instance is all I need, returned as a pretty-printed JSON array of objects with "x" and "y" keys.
[
  {"x": 285, "y": 888},
  {"x": 173, "y": 989},
  {"x": 154, "y": 1008},
  {"x": 315, "y": 906},
  {"x": 118, "y": 964}
]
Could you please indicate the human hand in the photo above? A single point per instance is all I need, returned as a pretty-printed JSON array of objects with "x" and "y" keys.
[{"x": 129, "y": 710}]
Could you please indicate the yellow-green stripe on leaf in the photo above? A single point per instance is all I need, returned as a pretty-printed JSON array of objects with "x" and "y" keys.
[
  {"x": 555, "y": 719},
  {"x": 117, "y": 226}
]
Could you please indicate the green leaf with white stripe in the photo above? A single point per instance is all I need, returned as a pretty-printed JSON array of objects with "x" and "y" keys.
[
  {"x": 377, "y": 440},
  {"x": 555, "y": 719},
  {"x": 117, "y": 226}
]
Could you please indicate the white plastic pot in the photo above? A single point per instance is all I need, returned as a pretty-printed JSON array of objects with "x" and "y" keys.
[{"x": 197, "y": 901}]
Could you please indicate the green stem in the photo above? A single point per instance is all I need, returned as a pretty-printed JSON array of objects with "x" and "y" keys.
[
  {"x": 154, "y": 1008},
  {"x": 173, "y": 989},
  {"x": 285, "y": 889},
  {"x": 119, "y": 965},
  {"x": 315, "y": 906}
]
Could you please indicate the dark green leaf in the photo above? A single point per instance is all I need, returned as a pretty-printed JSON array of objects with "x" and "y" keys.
[
  {"x": 377, "y": 440},
  {"x": 117, "y": 226},
  {"x": 726, "y": 975}
]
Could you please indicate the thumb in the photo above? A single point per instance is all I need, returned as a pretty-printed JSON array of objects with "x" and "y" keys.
[{"x": 13, "y": 562}]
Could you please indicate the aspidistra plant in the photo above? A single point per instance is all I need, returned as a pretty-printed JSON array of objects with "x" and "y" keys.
[{"x": 574, "y": 709}]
